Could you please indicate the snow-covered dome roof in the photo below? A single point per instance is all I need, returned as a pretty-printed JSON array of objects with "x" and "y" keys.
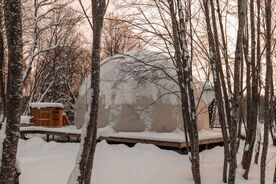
[{"x": 124, "y": 77}]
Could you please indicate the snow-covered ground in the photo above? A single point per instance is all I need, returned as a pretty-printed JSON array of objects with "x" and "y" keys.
[{"x": 51, "y": 163}]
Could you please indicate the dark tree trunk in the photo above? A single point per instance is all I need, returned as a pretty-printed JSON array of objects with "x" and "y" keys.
[
  {"x": 258, "y": 146},
  {"x": 215, "y": 61},
  {"x": 258, "y": 79},
  {"x": 237, "y": 92},
  {"x": 274, "y": 178},
  {"x": 185, "y": 80},
  {"x": 220, "y": 83},
  {"x": 12, "y": 14},
  {"x": 98, "y": 12},
  {"x": 241, "y": 115},
  {"x": 2, "y": 78},
  {"x": 248, "y": 87},
  {"x": 253, "y": 103},
  {"x": 225, "y": 52},
  {"x": 219, "y": 62},
  {"x": 268, "y": 89},
  {"x": 272, "y": 126},
  {"x": 89, "y": 138}
]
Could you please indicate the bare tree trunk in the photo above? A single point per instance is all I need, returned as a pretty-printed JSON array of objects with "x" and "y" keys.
[
  {"x": 219, "y": 62},
  {"x": 272, "y": 126},
  {"x": 2, "y": 78},
  {"x": 253, "y": 103},
  {"x": 185, "y": 79},
  {"x": 241, "y": 115},
  {"x": 12, "y": 14},
  {"x": 268, "y": 93},
  {"x": 89, "y": 137},
  {"x": 225, "y": 50},
  {"x": 215, "y": 61},
  {"x": 258, "y": 80},
  {"x": 241, "y": 121},
  {"x": 274, "y": 178},
  {"x": 237, "y": 92},
  {"x": 248, "y": 91},
  {"x": 258, "y": 146},
  {"x": 98, "y": 12}
]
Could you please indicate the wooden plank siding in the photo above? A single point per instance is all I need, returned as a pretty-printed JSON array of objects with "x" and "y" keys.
[{"x": 49, "y": 116}]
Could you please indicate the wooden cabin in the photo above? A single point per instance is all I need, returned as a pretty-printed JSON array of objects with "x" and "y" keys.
[{"x": 48, "y": 114}]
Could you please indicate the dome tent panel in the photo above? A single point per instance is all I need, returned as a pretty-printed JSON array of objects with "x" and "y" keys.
[
  {"x": 164, "y": 121},
  {"x": 128, "y": 121}
]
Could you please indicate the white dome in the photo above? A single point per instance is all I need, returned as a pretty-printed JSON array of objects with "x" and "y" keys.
[
  {"x": 124, "y": 77},
  {"x": 138, "y": 92}
]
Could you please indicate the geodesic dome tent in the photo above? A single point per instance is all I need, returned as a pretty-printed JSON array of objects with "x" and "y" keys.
[{"x": 138, "y": 92}]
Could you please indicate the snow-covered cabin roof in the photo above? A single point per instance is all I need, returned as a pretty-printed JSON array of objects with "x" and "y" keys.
[{"x": 39, "y": 105}]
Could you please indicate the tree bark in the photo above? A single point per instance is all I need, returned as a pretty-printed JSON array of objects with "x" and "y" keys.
[
  {"x": 215, "y": 61},
  {"x": 89, "y": 137},
  {"x": 258, "y": 58},
  {"x": 268, "y": 93},
  {"x": 252, "y": 112},
  {"x": 274, "y": 178},
  {"x": 258, "y": 146},
  {"x": 2, "y": 78},
  {"x": 225, "y": 49},
  {"x": 185, "y": 79},
  {"x": 12, "y": 14},
  {"x": 237, "y": 92},
  {"x": 98, "y": 12}
]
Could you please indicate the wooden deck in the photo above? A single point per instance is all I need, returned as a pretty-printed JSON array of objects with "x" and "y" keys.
[
  {"x": 75, "y": 137},
  {"x": 173, "y": 144}
]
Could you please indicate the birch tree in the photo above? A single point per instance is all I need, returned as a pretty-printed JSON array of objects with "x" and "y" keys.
[
  {"x": 12, "y": 14},
  {"x": 252, "y": 95},
  {"x": 242, "y": 4},
  {"x": 215, "y": 61},
  {"x": 83, "y": 169},
  {"x": 185, "y": 80}
]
